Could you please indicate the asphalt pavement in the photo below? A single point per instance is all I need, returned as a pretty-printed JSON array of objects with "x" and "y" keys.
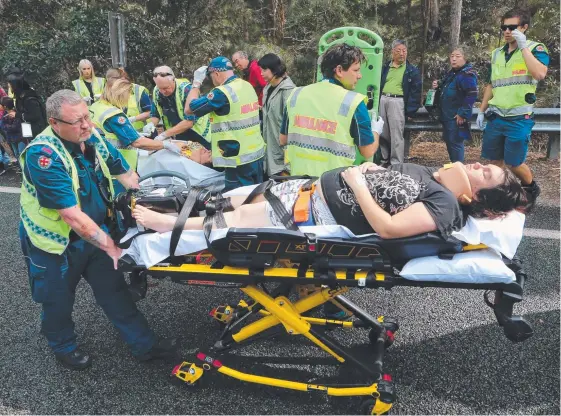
[{"x": 450, "y": 356}]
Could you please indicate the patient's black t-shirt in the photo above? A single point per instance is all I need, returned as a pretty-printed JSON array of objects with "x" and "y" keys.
[{"x": 394, "y": 189}]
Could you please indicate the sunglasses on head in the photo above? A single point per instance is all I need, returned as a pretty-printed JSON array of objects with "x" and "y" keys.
[
  {"x": 161, "y": 74},
  {"x": 509, "y": 27}
]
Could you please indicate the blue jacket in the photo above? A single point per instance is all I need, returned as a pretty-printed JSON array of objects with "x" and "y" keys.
[
  {"x": 457, "y": 93},
  {"x": 411, "y": 85}
]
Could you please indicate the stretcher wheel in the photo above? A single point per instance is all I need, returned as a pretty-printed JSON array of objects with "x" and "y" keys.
[
  {"x": 517, "y": 329},
  {"x": 391, "y": 326},
  {"x": 371, "y": 406}
]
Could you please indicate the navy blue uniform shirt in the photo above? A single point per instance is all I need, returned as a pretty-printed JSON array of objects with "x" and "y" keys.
[
  {"x": 120, "y": 125},
  {"x": 46, "y": 171},
  {"x": 169, "y": 107}
]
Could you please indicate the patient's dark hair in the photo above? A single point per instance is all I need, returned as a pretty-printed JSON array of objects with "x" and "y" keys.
[
  {"x": 340, "y": 54},
  {"x": 497, "y": 201}
]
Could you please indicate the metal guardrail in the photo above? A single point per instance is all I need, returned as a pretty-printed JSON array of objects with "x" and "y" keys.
[{"x": 547, "y": 121}]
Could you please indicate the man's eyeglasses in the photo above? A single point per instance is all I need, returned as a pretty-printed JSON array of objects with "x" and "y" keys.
[
  {"x": 161, "y": 74},
  {"x": 74, "y": 123},
  {"x": 509, "y": 27}
]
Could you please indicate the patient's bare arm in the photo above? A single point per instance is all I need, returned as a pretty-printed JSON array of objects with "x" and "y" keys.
[{"x": 411, "y": 221}]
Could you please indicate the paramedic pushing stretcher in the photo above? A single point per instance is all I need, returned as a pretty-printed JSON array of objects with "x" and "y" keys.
[
  {"x": 400, "y": 201},
  {"x": 66, "y": 183}
]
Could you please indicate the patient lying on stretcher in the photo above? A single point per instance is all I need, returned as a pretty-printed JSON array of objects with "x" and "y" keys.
[{"x": 399, "y": 201}]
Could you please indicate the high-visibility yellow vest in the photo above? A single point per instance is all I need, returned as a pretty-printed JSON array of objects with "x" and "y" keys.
[
  {"x": 98, "y": 84},
  {"x": 44, "y": 226},
  {"x": 319, "y": 138},
  {"x": 511, "y": 82},
  {"x": 201, "y": 126},
  {"x": 101, "y": 112},
  {"x": 134, "y": 108},
  {"x": 241, "y": 125}
]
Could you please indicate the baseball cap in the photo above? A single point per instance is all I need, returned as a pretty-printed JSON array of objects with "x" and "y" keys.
[{"x": 220, "y": 64}]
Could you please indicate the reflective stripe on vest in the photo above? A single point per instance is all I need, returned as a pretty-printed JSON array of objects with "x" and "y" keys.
[
  {"x": 134, "y": 107},
  {"x": 325, "y": 145},
  {"x": 201, "y": 126},
  {"x": 512, "y": 83},
  {"x": 240, "y": 125},
  {"x": 319, "y": 138},
  {"x": 235, "y": 125},
  {"x": 102, "y": 111},
  {"x": 44, "y": 226},
  {"x": 97, "y": 86}
]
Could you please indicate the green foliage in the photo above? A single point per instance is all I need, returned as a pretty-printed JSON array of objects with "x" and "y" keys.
[{"x": 47, "y": 38}]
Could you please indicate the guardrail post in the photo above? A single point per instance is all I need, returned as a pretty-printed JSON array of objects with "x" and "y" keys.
[
  {"x": 407, "y": 142},
  {"x": 553, "y": 146}
]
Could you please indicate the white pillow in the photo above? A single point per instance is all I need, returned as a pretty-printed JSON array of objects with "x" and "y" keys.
[
  {"x": 479, "y": 266},
  {"x": 502, "y": 234}
]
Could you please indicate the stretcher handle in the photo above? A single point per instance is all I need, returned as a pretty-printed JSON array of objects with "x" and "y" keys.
[{"x": 354, "y": 36}]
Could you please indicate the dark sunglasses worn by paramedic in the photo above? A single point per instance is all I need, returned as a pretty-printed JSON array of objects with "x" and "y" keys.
[{"x": 509, "y": 27}]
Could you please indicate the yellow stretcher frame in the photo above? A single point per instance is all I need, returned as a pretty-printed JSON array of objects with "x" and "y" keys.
[{"x": 278, "y": 311}]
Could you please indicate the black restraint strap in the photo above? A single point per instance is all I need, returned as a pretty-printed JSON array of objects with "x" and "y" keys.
[
  {"x": 127, "y": 243},
  {"x": 277, "y": 206},
  {"x": 182, "y": 218},
  {"x": 259, "y": 190}
]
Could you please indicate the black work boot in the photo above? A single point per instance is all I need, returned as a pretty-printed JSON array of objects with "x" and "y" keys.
[
  {"x": 163, "y": 348},
  {"x": 532, "y": 190},
  {"x": 75, "y": 360}
]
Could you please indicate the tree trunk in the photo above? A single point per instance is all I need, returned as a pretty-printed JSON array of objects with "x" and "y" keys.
[
  {"x": 434, "y": 22},
  {"x": 409, "y": 16},
  {"x": 455, "y": 22},
  {"x": 425, "y": 5}
]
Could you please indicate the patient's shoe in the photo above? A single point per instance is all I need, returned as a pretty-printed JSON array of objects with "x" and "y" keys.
[{"x": 163, "y": 348}]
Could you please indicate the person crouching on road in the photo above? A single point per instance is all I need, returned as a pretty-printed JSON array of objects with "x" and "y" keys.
[
  {"x": 237, "y": 144},
  {"x": 457, "y": 92},
  {"x": 66, "y": 181},
  {"x": 324, "y": 123}
]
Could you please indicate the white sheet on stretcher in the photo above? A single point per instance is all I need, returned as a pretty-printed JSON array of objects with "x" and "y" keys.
[
  {"x": 482, "y": 266},
  {"x": 198, "y": 175}
]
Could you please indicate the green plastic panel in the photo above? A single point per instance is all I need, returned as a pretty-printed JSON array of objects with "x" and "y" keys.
[{"x": 372, "y": 46}]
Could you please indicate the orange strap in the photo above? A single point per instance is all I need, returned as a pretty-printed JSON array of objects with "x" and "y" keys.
[{"x": 302, "y": 206}]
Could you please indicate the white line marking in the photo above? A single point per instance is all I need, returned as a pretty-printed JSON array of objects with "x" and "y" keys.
[
  {"x": 9, "y": 190},
  {"x": 540, "y": 233}
]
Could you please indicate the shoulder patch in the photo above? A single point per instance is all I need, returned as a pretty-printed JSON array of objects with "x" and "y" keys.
[
  {"x": 45, "y": 162},
  {"x": 47, "y": 150},
  {"x": 540, "y": 48},
  {"x": 210, "y": 95},
  {"x": 121, "y": 120}
]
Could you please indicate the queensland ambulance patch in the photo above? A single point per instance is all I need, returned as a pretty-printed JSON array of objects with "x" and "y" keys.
[
  {"x": 45, "y": 162},
  {"x": 210, "y": 95},
  {"x": 121, "y": 120},
  {"x": 540, "y": 48}
]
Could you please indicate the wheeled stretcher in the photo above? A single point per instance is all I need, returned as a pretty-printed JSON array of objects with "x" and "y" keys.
[{"x": 307, "y": 271}]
